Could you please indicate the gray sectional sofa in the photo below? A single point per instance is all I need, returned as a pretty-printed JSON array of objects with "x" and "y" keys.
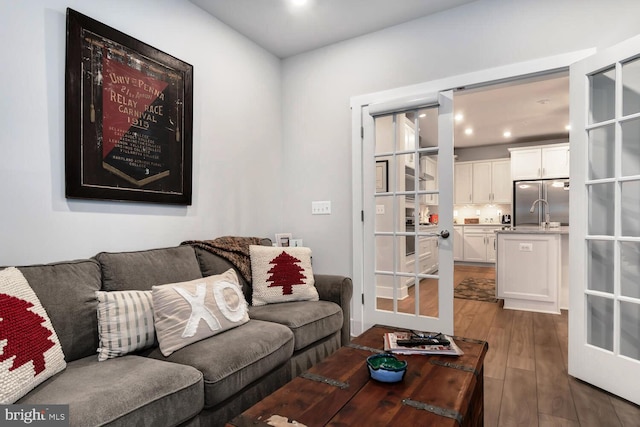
[{"x": 206, "y": 383}]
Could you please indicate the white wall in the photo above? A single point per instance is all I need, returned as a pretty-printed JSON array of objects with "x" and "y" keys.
[
  {"x": 317, "y": 87},
  {"x": 236, "y": 136}
]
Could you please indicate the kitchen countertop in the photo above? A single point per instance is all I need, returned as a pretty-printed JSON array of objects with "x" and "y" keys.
[
  {"x": 484, "y": 224},
  {"x": 535, "y": 230}
]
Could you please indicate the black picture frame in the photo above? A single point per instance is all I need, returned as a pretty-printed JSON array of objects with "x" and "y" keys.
[{"x": 128, "y": 117}]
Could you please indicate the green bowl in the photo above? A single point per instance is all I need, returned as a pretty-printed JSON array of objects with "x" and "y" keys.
[{"x": 386, "y": 368}]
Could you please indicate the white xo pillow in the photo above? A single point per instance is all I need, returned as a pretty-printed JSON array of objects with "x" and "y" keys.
[
  {"x": 30, "y": 351},
  {"x": 281, "y": 275},
  {"x": 191, "y": 311}
]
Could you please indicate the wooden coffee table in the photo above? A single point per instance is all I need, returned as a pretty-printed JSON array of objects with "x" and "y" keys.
[{"x": 436, "y": 390}]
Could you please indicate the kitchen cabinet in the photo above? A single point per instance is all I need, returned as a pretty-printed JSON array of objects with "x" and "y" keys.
[
  {"x": 458, "y": 243},
  {"x": 462, "y": 183},
  {"x": 479, "y": 243},
  {"x": 555, "y": 161},
  {"x": 428, "y": 254},
  {"x": 491, "y": 181},
  {"x": 550, "y": 161},
  {"x": 529, "y": 270},
  {"x": 409, "y": 142},
  {"x": 429, "y": 177}
]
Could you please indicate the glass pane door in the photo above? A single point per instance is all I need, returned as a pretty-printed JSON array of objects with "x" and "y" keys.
[
  {"x": 605, "y": 299},
  {"x": 406, "y": 220}
]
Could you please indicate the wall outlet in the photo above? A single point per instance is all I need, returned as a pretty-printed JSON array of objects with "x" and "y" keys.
[
  {"x": 379, "y": 209},
  {"x": 321, "y": 208},
  {"x": 526, "y": 247}
]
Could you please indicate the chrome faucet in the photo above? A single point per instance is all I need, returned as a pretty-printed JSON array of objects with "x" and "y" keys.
[{"x": 546, "y": 214}]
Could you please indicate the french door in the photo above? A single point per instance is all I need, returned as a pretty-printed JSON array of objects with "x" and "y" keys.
[
  {"x": 604, "y": 313},
  {"x": 408, "y": 237}
]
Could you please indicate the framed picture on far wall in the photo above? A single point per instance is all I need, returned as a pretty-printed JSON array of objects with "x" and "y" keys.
[
  {"x": 283, "y": 239},
  {"x": 382, "y": 176},
  {"x": 128, "y": 117}
]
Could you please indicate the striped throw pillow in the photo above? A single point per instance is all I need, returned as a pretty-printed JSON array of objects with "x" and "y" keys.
[{"x": 125, "y": 322}]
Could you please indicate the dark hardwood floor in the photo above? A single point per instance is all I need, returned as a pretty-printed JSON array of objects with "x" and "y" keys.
[{"x": 525, "y": 380}]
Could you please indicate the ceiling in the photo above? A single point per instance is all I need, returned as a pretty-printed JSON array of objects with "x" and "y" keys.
[
  {"x": 285, "y": 30},
  {"x": 533, "y": 109}
]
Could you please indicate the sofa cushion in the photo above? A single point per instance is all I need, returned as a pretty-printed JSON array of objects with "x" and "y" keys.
[
  {"x": 281, "y": 275},
  {"x": 126, "y": 391},
  {"x": 234, "y": 359},
  {"x": 187, "y": 312},
  {"x": 125, "y": 322},
  {"x": 309, "y": 321},
  {"x": 30, "y": 350},
  {"x": 123, "y": 271},
  {"x": 67, "y": 291}
]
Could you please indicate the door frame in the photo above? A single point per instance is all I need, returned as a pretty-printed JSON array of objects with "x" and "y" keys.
[{"x": 409, "y": 97}]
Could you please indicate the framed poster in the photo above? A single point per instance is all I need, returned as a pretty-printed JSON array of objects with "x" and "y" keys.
[{"x": 128, "y": 117}]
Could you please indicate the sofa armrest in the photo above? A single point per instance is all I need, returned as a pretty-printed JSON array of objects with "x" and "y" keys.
[{"x": 338, "y": 289}]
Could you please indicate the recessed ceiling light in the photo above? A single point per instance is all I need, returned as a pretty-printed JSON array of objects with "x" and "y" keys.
[
  {"x": 468, "y": 131},
  {"x": 507, "y": 134},
  {"x": 458, "y": 117},
  {"x": 423, "y": 115},
  {"x": 299, "y": 2}
]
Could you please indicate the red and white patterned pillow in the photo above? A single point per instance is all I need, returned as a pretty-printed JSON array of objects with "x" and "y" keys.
[
  {"x": 281, "y": 275},
  {"x": 30, "y": 351}
]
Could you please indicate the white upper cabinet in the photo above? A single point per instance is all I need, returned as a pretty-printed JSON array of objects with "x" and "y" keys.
[
  {"x": 481, "y": 182},
  {"x": 409, "y": 142},
  {"x": 501, "y": 181},
  {"x": 429, "y": 178},
  {"x": 555, "y": 161},
  {"x": 492, "y": 182},
  {"x": 462, "y": 183},
  {"x": 486, "y": 181},
  {"x": 550, "y": 161}
]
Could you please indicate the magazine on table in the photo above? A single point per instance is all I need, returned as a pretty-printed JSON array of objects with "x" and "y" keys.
[{"x": 420, "y": 343}]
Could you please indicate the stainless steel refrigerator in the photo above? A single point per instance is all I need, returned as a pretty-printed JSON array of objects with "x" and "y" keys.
[{"x": 554, "y": 191}]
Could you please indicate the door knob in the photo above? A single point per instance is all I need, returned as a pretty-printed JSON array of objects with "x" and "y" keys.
[{"x": 444, "y": 234}]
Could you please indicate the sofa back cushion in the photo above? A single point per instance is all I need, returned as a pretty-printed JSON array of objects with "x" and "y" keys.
[
  {"x": 124, "y": 271},
  {"x": 67, "y": 291}
]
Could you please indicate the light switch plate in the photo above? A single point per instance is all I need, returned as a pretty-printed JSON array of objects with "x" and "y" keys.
[
  {"x": 379, "y": 209},
  {"x": 321, "y": 208}
]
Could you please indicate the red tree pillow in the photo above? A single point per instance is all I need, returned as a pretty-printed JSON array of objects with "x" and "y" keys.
[
  {"x": 30, "y": 351},
  {"x": 281, "y": 275}
]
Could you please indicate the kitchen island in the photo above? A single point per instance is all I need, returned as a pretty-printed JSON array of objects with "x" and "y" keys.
[{"x": 532, "y": 268}]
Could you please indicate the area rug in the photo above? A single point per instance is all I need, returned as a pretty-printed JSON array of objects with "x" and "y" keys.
[{"x": 476, "y": 289}]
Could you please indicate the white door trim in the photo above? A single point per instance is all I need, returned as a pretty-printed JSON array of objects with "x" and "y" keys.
[{"x": 407, "y": 96}]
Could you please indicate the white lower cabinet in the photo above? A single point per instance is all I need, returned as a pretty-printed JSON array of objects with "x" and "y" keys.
[
  {"x": 458, "y": 243},
  {"x": 529, "y": 271},
  {"x": 428, "y": 254},
  {"x": 480, "y": 244}
]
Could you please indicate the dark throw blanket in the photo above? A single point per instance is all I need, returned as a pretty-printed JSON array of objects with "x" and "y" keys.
[{"x": 232, "y": 248}]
